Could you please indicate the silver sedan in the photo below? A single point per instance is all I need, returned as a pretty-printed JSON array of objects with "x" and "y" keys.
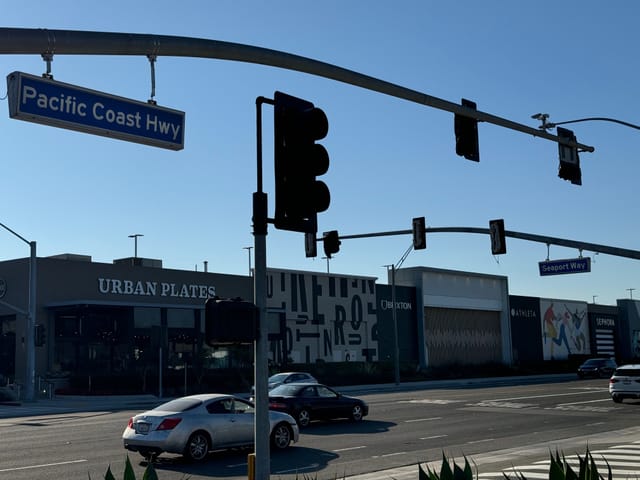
[{"x": 195, "y": 425}]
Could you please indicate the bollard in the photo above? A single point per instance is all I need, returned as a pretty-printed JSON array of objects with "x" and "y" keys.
[{"x": 251, "y": 466}]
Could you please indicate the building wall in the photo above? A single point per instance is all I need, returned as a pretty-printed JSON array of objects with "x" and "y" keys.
[
  {"x": 331, "y": 318},
  {"x": 465, "y": 316}
]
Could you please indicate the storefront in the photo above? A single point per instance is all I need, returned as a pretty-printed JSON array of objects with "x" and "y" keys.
[{"x": 109, "y": 327}]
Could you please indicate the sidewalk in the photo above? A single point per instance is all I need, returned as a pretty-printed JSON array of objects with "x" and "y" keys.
[{"x": 93, "y": 403}]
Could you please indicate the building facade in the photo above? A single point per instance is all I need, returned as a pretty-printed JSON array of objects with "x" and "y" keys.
[{"x": 131, "y": 325}]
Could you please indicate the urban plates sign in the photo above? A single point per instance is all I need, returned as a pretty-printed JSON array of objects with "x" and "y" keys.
[
  {"x": 49, "y": 102},
  {"x": 570, "y": 265}
]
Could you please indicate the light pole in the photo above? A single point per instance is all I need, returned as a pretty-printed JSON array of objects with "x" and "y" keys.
[
  {"x": 30, "y": 315},
  {"x": 248, "y": 249},
  {"x": 594, "y": 298},
  {"x": 135, "y": 243},
  {"x": 630, "y": 290}
]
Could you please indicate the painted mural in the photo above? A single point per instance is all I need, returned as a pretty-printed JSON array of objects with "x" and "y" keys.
[
  {"x": 565, "y": 329},
  {"x": 327, "y": 317}
]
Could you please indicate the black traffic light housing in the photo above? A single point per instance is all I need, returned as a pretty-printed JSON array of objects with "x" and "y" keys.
[
  {"x": 498, "y": 237},
  {"x": 39, "y": 335},
  {"x": 331, "y": 243},
  {"x": 569, "y": 159},
  {"x": 298, "y": 160},
  {"x": 466, "y": 131},
  {"x": 419, "y": 233},
  {"x": 230, "y": 321}
]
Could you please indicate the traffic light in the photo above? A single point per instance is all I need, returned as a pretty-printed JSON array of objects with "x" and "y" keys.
[
  {"x": 310, "y": 247},
  {"x": 498, "y": 237},
  {"x": 466, "y": 130},
  {"x": 298, "y": 160},
  {"x": 230, "y": 321},
  {"x": 331, "y": 243},
  {"x": 419, "y": 233},
  {"x": 569, "y": 159},
  {"x": 39, "y": 335}
]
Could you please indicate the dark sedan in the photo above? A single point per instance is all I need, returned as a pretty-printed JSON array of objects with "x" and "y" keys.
[
  {"x": 312, "y": 401},
  {"x": 597, "y": 368}
]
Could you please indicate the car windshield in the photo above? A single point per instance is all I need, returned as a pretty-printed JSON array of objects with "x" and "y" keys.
[
  {"x": 179, "y": 405},
  {"x": 278, "y": 377},
  {"x": 285, "y": 390},
  {"x": 594, "y": 362}
]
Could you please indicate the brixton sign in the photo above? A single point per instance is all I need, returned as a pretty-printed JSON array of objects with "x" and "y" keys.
[
  {"x": 570, "y": 265},
  {"x": 49, "y": 102}
]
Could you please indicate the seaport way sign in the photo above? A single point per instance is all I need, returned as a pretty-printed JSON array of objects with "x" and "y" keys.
[
  {"x": 49, "y": 102},
  {"x": 570, "y": 265}
]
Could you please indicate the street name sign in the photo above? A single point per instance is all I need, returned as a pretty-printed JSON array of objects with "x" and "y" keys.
[
  {"x": 49, "y": 102},
  {"x": 569, "y": 265}
]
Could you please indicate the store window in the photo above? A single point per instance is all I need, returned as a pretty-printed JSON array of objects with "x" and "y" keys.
[{"x": 181, "y": 335}]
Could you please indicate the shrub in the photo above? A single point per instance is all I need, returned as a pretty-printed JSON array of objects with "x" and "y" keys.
[{"x": 559, "y": 469}]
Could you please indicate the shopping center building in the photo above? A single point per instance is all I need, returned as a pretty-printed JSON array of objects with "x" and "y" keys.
[{"x": 126, "y": 325}]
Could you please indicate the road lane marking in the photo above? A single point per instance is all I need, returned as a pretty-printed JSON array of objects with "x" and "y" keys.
[
  {"x": 432, "y": 437},
  {"x": 308, "y": 467},
  {"x": 348, "y": 448},
  {"x": 422, "y": 419},
  {"x": 389, "y": 455},
  {"x": 29, "y": 467},
  {"x": 481, "y": 441}
]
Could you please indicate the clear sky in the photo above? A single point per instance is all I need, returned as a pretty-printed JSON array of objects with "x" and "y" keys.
[{"x": 391, "y": 160}]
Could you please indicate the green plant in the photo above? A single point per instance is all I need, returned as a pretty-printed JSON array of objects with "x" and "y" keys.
[
  {"x": 446, "y": 473},
  {"x": 559, "y": 469},
  {"x": 129, "y": 474}
]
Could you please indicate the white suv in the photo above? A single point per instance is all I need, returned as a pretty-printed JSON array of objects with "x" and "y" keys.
[{"x": 625, "y": 383}]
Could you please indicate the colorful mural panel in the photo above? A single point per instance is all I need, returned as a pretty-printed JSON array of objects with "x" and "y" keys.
[{"x": 565, "y": 329}]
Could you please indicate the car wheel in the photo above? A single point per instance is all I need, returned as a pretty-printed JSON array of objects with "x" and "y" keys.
[
  {"x": 303, "y": 418},
  {"x": 281, "y": 436},
  {"x": 197, "y": 446},
  {"x": 356, "y": 413},
  {"x": 616, "y": 398}
]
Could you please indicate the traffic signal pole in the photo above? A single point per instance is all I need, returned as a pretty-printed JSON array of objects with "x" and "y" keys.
[
  {"x": 74, "y": 42},
  {"x": 580, "y": 245},
  {"x": 262, "y": 465}
]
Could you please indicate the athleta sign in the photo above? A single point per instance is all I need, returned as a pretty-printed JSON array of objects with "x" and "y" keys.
[
  {"x": 113, "y": 286},
  {"x": 49, "y": 102}
]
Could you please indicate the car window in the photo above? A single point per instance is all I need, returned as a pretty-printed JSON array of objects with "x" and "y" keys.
[
  {"x": 179, "y": 405},
  {"x": 284, "y": 390},
  {"x": 309, "y": 392},
  {"x": 243, "y": 407},
  {"x": 627, "y": 372},
  {"x": 325, "y": 392},
  {"x": 221, "y": 406}
]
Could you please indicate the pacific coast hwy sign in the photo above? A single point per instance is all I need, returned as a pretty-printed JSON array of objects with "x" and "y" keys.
[{"x": 49, "y": 102}]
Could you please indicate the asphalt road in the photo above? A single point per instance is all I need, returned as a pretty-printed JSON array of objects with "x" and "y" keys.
[{"x": 495, "y": 427}]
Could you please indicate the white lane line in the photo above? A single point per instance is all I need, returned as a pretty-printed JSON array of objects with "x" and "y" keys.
[
  {"x": 29, "y": 467},
  {"x": 308, "y": 467},
  {"x": 432, "y": 437},
  {"x": 422, "y": 419},
  {"x": 389, "y": 455},
  {"x": 481, "y": 441},
  {"x": 348, "y": 448}
]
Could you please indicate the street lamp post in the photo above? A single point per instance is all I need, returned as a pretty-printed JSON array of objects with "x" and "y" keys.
[
  {"x": 630, "y": 290},
  {"x": 30, "y": 315},
  {"x": 248, "y": 249},
  {"x": 135, "y": 243}
]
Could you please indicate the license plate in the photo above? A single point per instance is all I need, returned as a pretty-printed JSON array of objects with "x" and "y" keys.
[{"x": 142, "y": 428}]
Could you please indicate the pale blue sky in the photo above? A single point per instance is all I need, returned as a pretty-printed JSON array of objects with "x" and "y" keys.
[{"x": 391, "y": 160}]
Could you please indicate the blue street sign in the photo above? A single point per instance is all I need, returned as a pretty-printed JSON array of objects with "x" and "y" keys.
[
  {"x": 49, "y": 102},
  {"x": 569, "y": 265}
]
